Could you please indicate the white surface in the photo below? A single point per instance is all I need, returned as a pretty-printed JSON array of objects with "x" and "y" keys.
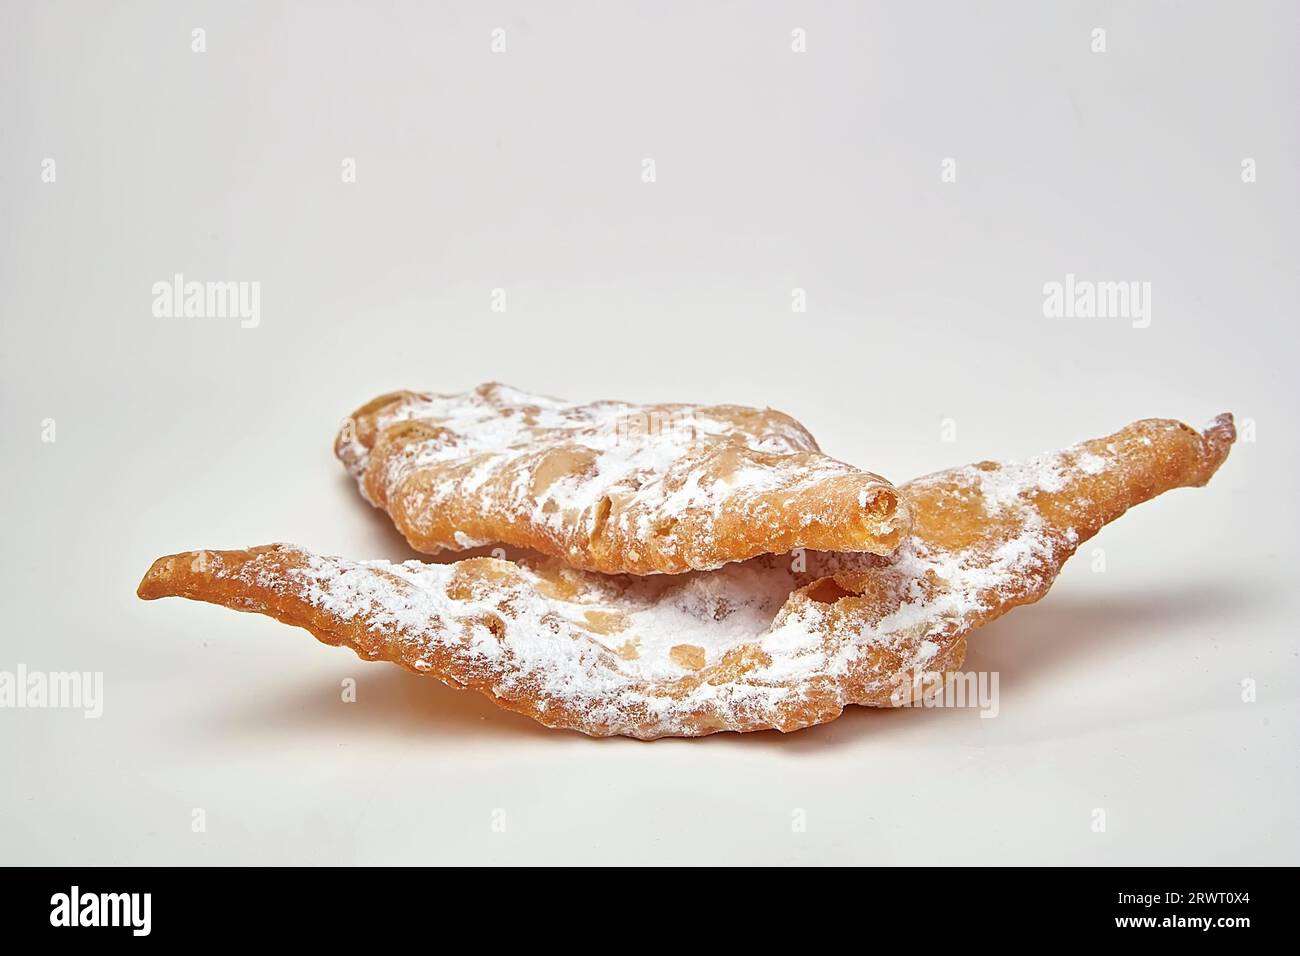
[{"x": 1121, "y": 691}]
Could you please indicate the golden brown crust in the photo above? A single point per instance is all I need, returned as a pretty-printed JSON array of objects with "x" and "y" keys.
[
  {"x": 608, "y": 486},
  {"x": 771, "y": 643}
]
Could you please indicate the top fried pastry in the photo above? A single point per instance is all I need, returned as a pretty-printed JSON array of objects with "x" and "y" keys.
[{"x": 608, "y": 486}]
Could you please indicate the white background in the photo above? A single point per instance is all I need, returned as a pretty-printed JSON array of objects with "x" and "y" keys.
[{"x": 522, "y": 171}]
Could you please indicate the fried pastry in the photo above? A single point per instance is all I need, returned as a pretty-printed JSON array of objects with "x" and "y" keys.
[
  {"x": 770, "y": 643},
  {"x": 611, "y": 487}
]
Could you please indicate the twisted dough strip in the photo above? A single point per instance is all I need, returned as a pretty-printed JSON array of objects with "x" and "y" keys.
[
  {"x": 752, "y": 646},
  {"x": 611, "y": 487}
]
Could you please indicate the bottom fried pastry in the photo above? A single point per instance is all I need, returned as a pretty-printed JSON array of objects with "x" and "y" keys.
[{"x": 775, "y": 642}]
